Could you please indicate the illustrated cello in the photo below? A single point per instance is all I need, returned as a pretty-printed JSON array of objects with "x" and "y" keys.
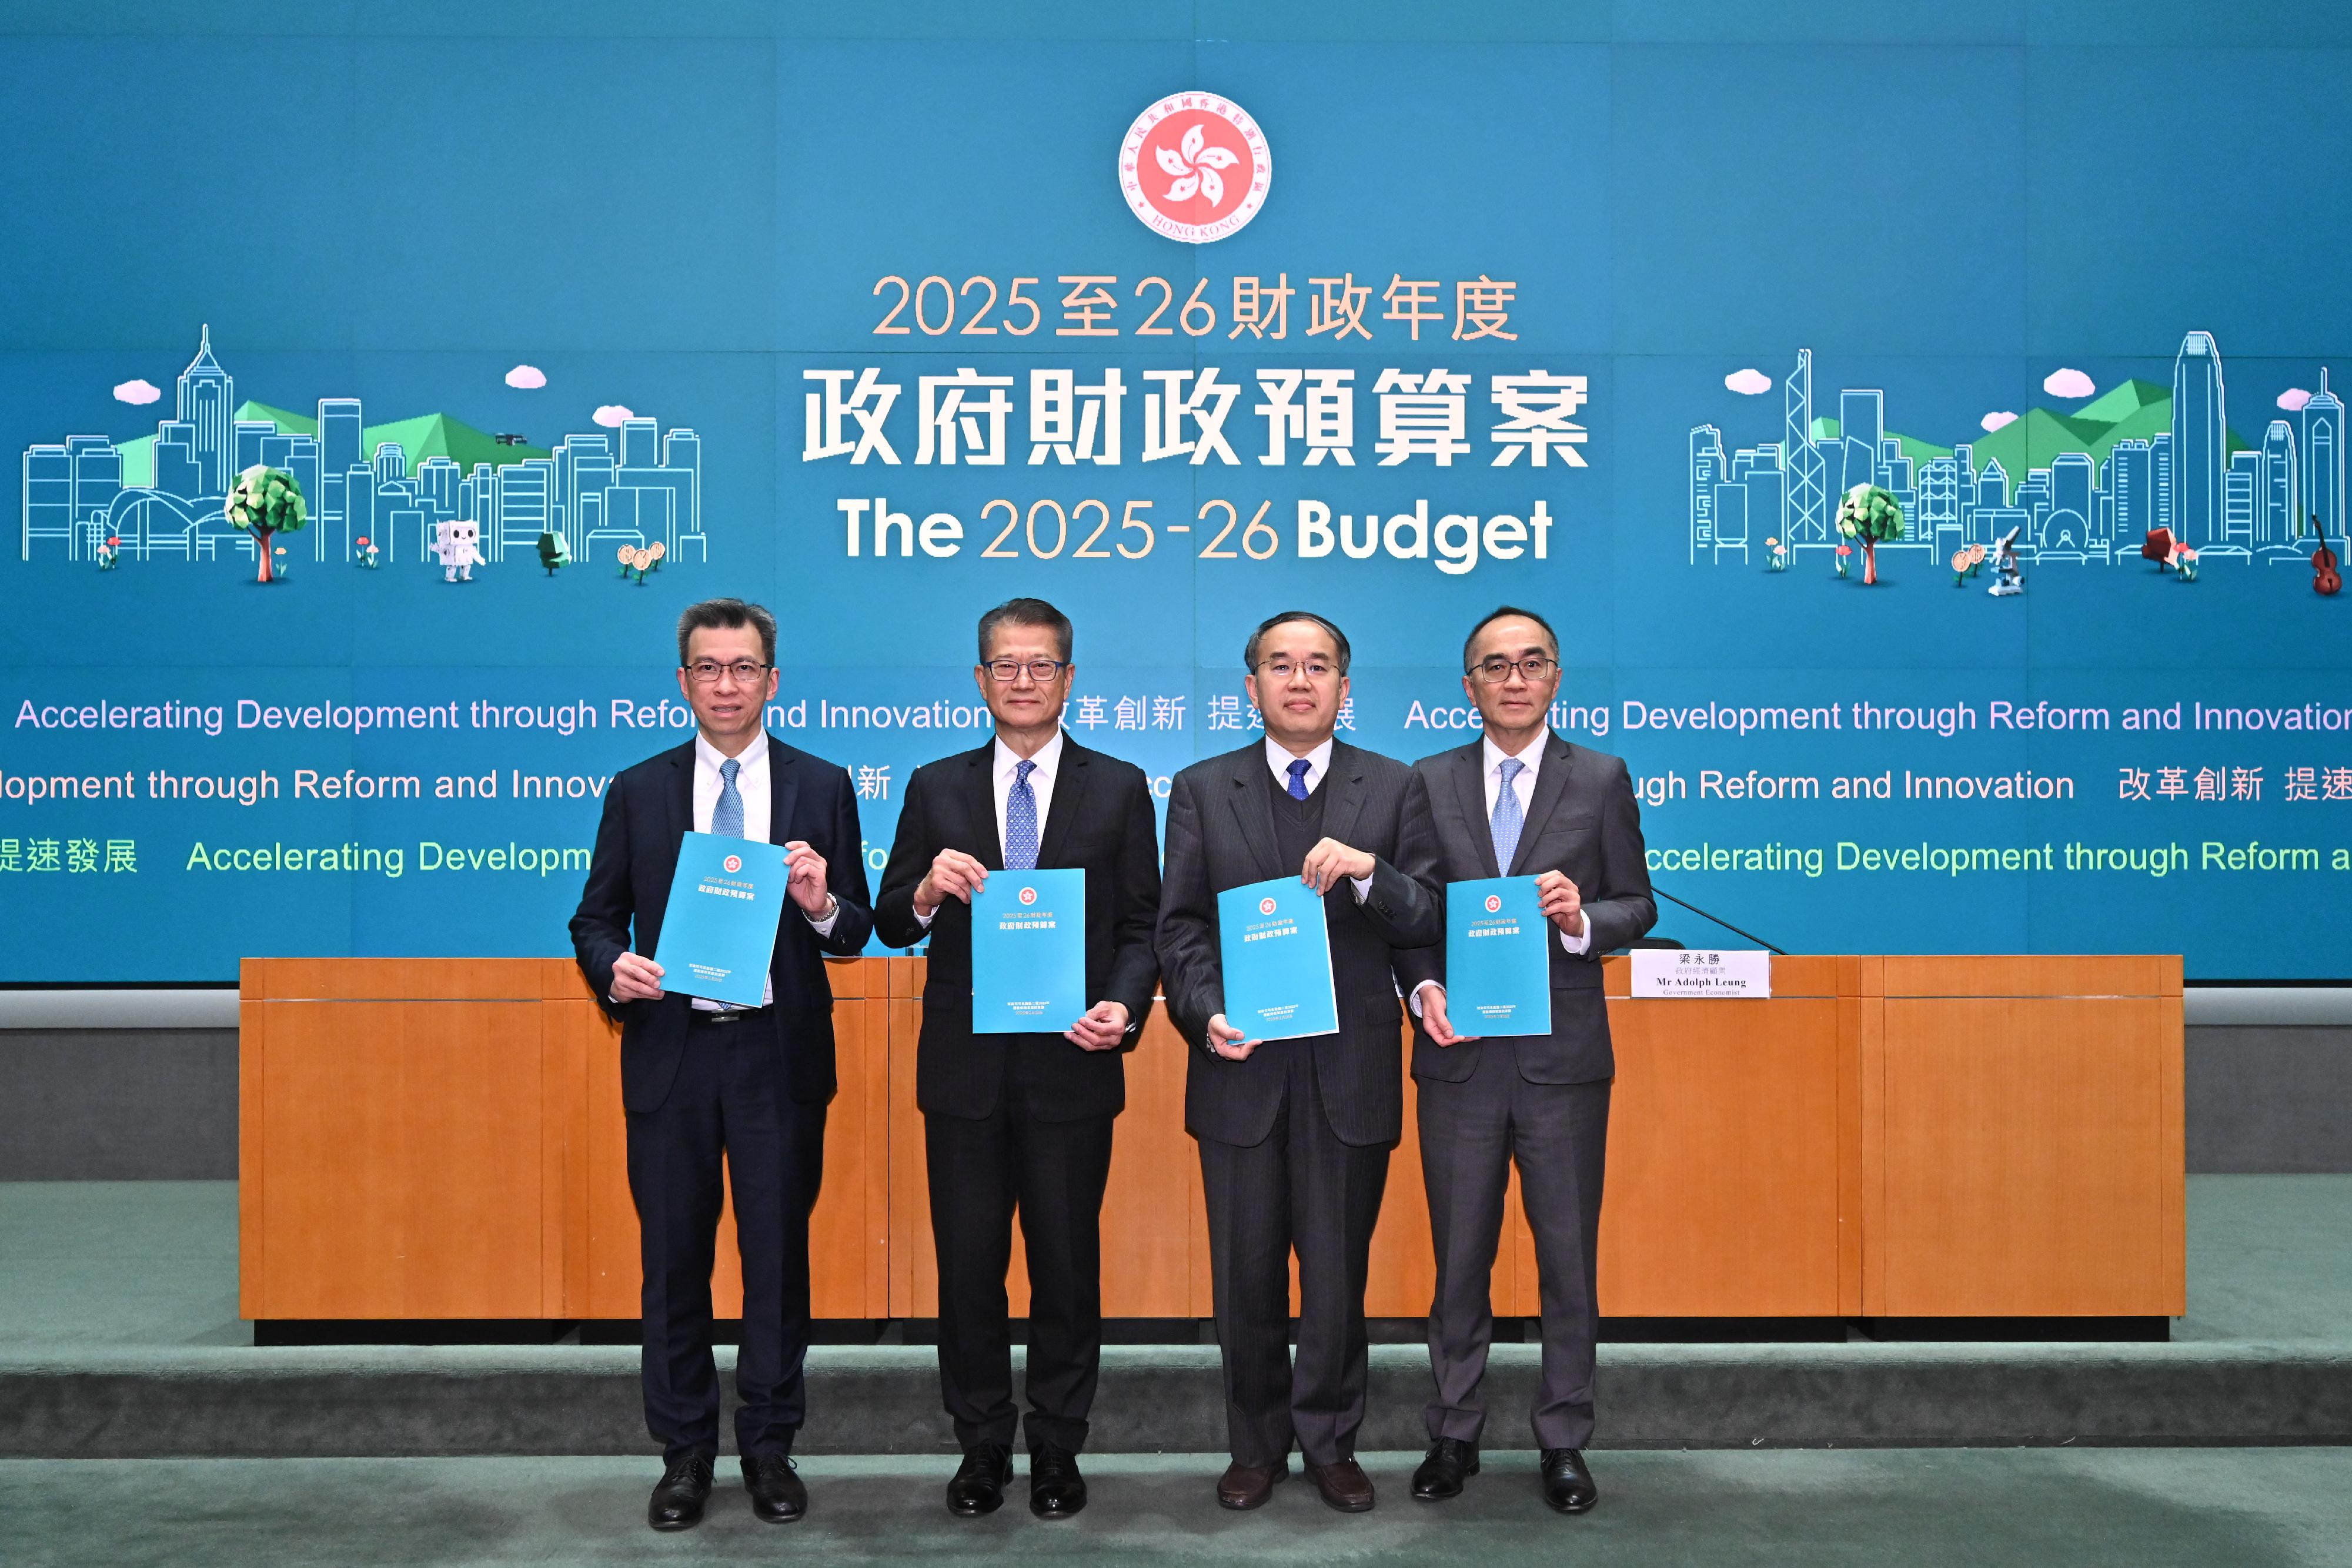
[{"x": 2327, "y": 571}]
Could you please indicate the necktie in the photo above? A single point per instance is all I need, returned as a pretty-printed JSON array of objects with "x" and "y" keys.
[
  {"x": 727, "y": 817},
  {"x": 1508, "y": 818},
  {"x": 1298, "y": 779},
  {"x": 1020, "y": 819}
]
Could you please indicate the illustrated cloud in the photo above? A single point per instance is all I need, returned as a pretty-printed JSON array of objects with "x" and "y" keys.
[
  {"x": 611, "y": 414},
  {"x": 2067, "y": 383},
  {"x": 1748, "y": 382},
  {"x": 1998, "y": 418},
  {"x": 2292, "y": 400},
  {"x": 527, "y": 377},
  {"x": 146, "y": 391}
]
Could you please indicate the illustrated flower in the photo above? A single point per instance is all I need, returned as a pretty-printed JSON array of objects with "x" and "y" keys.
[
  {"x": 2184, "y": 561},
  {"x": 1842, "y": 552},
  {"x": 1196, "y": 167},
  {"x": 1960, "y": 564}
]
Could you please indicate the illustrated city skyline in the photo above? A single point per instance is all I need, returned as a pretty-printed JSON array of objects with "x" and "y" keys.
[
  {"x": 2169, "y": 462},
  {"x": 602, "y": 490}
]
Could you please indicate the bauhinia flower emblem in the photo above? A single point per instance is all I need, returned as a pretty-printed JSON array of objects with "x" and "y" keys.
[{"x": 1196, "y": 167}]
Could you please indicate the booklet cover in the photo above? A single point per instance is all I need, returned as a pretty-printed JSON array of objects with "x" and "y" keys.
[
  {"x": 1498, "y": 958},
  {"x": 719, "y": 930},
  {"x": 1029, "y": 952},
  {"x": 1276, "y": 951}
]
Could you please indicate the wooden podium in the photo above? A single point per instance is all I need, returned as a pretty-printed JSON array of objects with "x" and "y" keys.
[{"x": 1885, "y": 1137}]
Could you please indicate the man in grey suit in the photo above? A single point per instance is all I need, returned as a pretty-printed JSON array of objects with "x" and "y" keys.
[
  {"x": 1522, "y": 803},
  {"x": 1295, "y": 1134}
]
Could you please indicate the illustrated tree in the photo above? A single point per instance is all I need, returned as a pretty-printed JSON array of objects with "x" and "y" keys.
[
  {"x": 265, "y": 502},
  {"x": 1870, "y": 516}
]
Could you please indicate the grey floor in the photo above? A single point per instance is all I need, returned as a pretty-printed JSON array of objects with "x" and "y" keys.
[
  {"x": 154, "y": 1263},
  {"x": 2241, "y": 1508}
]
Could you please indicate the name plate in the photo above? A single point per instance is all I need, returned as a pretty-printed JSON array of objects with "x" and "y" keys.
[{"x": 1666, "y": 972}]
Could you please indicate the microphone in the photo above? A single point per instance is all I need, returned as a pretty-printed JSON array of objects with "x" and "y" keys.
[{"x": 1719, "y": 919}]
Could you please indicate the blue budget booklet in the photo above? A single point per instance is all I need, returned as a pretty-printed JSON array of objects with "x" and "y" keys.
[
  {"x": 1498, "y": 958},
  {"x": 718, "y": 930},
  {"x": 1276, "y": 951},
  {"x": 1029, "y": 952}
]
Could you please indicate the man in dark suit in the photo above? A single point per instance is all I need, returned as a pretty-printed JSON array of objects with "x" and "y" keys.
[
  {"x": 699, "y": 1079},
  {"x": 1022, "y": 1121},
  {"x": 1522, "y": 803},
  {"x": 1295, "y": 1134}
]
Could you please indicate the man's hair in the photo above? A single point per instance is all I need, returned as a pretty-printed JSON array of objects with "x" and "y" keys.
[
  {"x": 1504, "y": 613},
  {"x": 1026, "y": 612},
  {"x": 1249, "y": 649},
  {"x": 727, "y": 615}
]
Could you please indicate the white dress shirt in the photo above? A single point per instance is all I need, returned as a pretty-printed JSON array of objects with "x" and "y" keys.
[
  {"x": 1318, "y": 763},
  {"x": 1002, "y": 765},
  {"x": 1524, "y": 786},
  {"x": 752, "y": 783}
]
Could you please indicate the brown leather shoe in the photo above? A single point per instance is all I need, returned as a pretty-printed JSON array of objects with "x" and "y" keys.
[
  {"x": 1249, "y": 1486},
  {"x": 1344, "y": 1485}
]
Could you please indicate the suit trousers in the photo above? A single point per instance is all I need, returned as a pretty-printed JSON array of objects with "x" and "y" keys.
[
  {"x": 1300, "y": 1189},
  {"x": 730, "y": 1098},
  {"x": 1470, "y": 1134},
  {"x": 1052, "y": 1174}
]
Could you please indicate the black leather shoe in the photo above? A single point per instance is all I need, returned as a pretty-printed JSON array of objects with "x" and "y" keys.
[
  {"x": 678, "y": 1499},
  {"x": 1441, "y": 1474},
  {"x": 979, "y": 1482},
  {"x": 778, "y": 1494},
  {"x": 1567, "y": 1484},
  {"x": 1056, "y": 1490}
]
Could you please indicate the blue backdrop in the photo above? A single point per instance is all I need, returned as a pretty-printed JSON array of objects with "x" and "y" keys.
[{"x": 621, "y": 274}]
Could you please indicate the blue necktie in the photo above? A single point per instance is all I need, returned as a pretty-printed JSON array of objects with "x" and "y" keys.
[
  {"x": 727, "y": 817},
  {"x": 1508, "y": 818},
  {"x": 1020, "y": 819},
  {"x": 1298, "y": 779}
]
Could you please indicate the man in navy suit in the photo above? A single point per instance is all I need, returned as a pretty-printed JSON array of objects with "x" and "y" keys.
[{"x": 701, "y": 1079}]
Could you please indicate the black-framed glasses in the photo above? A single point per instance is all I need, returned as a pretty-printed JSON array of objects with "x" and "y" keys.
[
  {"x": 1497, "y": 670},
  {"x": 705, "y": 672},
  {"x": 1041, "y": 671},
  {"x": 1283, "y": 669}
]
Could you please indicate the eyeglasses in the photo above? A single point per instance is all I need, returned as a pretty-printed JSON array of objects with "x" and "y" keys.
[
  {"x": 1497, "y": 670},
  {"x": 703, "y": 672},
  {"x": 1041, "y": 671},
  {"x": 1283, "y": 669}
]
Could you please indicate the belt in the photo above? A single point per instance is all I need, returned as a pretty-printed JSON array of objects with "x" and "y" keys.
[{"x": 727, "y": 1016}]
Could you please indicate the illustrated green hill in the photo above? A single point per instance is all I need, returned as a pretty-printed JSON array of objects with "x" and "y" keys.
[
  {"x": 426, "y": 435},
  {"x": 2135, "y": 409}
]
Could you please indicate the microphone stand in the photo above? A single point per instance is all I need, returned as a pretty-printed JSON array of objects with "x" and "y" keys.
[{"x": 1726, "y": 925}]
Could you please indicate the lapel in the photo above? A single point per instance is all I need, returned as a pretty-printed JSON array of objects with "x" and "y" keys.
[
  {"x": 1346, "y": 801},
  {"x": 1469, "y": 772},
  {"x": 783, "y": 789},
  {"x": 679, "y": 796},
  {"x": 1552, "y": 784},
  {"x": 979, "y": 806},
  {"x": 1069, "y": 789},
  {"x": 1253, "y": 800}
]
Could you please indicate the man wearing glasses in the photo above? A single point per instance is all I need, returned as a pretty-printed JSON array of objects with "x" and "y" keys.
[
  {"x": 1022, "y": 1121},
  {"x": 1522, "y": 803},
  {"x": 699, "y": 1080},
  {"x": 1295, "y": 1133}
]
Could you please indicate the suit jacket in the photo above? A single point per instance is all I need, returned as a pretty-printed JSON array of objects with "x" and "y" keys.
[
  {"x": 1100, "y": 821},
  {"x": 1582, "y": 821},
  {"x": 1221, "y": 834},
  {"x": 647, "y": 810}
]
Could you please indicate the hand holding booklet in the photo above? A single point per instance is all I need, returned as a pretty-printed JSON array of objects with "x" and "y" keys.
[
  {"x": 1498, "y": 958},
  {"x": 1029, "y": 952},
  {"x": 1276, "y": 953},
  {"x": 718, "y": 930}
]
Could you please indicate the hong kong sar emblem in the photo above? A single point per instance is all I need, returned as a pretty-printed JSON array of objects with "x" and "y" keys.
[{"x": 1196, "y": 167}]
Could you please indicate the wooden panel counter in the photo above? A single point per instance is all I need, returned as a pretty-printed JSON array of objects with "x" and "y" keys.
[{"x": 1882, "y": 1137}]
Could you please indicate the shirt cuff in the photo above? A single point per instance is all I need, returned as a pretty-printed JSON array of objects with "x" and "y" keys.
[
  {"x": 1578, "y": 945},
  {"x": 1363, "y": 887},
  {"x": 923, "y": 919},
  {"x": 1414, "y": 1002},
  {"x": 825, "y": 927}
]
